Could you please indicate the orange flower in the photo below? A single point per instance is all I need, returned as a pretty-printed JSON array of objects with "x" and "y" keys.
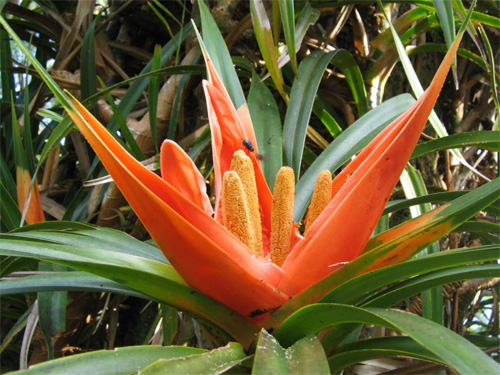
[{"x": 229, "y": 259}]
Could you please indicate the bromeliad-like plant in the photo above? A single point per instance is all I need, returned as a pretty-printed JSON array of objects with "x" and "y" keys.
[
  {"x": 252, "y": 238},
  {"x": 247, "y": 252}
]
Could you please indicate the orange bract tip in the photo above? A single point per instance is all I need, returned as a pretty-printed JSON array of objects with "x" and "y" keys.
[
  {"x": 177, "y": 168},
  {"x": 34, "y": 213}
]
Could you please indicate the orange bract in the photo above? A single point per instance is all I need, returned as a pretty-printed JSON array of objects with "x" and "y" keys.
[{"x": 34, "y": 211}]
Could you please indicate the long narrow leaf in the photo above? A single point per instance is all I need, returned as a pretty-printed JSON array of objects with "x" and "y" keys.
[
  {"x": 444, "y": 11},
  {"x": 51, "y": 310},
  {"x": 345, "y": 61},
  {"x": 154, "y": 85},
  {"x": 88, "y": 81},
  {"x": 125, "y": 360},
  {"x": 414, "y": 186},
  {"x": 364, "y": 350},
  {"x": 267, "y": 44},
  {"x": 357, "y": 289},
  {"x": 300, "y": 106},
  {"x": 212, "y": 362},
  {"x": 452, "y": 349},
  {"x": 489, "y": 140},
  {"x": 405, "y": 290},
  {"x": 67, "y": 281},
  {"x": 288, "y": 20},
  {"x": 267, "y": 126},
  {"x": 220, "y": 56}
]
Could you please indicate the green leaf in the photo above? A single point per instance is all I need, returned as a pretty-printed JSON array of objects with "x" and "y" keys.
[
  {"x": 66, "y": 233},
  {"x": 13, "y": 264},
  {"x": 327, "y": 116},
  {"x": 489, "y": 140},
  {"x": 6, "y": 178},
  {"x": 15, "y": 329},
  {"x": 51, "y": 310},
  {"x": 407, "y": 289},
  {"x": 288, "y": 20},
  {"x": 88, "y": 81},
  {"x": 19, "y": 154},
  {"x": 266, "y": 42},
  {"x": 178, "y": 100},
  {"x": 56, "y": 90},
  {"x": 364, "y": 350},
  {"x": 445, "y": 196},
  {"x": 60, "y": 131},
  {"x": 306, "y": 356},
  {"x": 491, "y": 61},
  {"x": 492, "y": 230},
  {"x": 170, "y": 323},
  {"x": 10, "y": 215},
  {"x": 345, "y": 61},
  {"x": 217, "y": 49},
  {"x": 126, "y": 360},
  {"x": 27, "y": 139},
  {"x": 356, "y": 289},
  {"x": 213, "y": 362},
  {"x": 7, "y": 78},
  {"x": 437, "y": 47},
  {"x": 67, "y": 281},
  {"x": 297, "y": 117},
  {"x": 414, "y": 186},
  {"x": 270, "y": 357},
  {"x": 267, "y": 125},
  {"x": 438, "y": 222},
  {"x": 308, "y": 16},
  {"x": 154, "y": 86},
  {"x": 351, "y": 141},
  {"x": 444, "y": 11},
  {"x": 451, "y": 348}
]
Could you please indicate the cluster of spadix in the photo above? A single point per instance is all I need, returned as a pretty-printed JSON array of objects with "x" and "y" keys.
[{"x": 241, "y": 214}]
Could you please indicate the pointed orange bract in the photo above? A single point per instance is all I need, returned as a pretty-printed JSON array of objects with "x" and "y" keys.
[
  {"x": 177, "y": 168},
  {"x": 228, "y": 133},
  {"x": 360, "y": 193},
  {"x": 34, "y": 213}
]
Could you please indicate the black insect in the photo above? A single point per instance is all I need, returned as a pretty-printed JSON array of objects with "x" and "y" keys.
[{"x": 248, "y": 145}]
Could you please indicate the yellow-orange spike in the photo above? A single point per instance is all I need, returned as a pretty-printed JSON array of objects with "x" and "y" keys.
[
  {"x": 321, "y": 197},
  {"x": 236, "y": 217},
  {"x": 282, "y": 215},
  {"x": 242, "y": 165}
]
